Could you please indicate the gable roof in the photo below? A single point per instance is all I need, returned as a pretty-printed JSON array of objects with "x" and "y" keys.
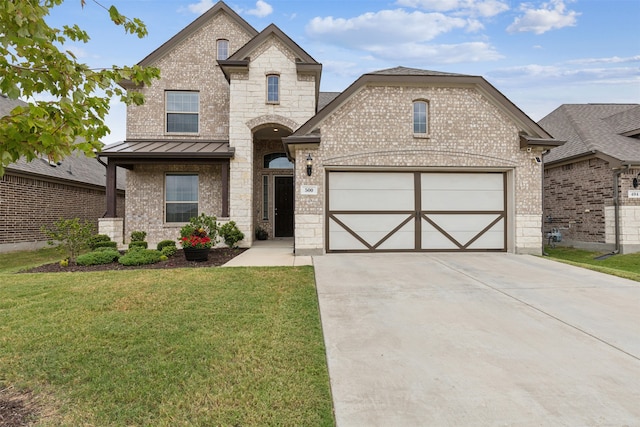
[
  {"x": 595, "y": 129},
  {"x": 533, "y": 134},
  {"x": 76, "y": 168},
  {"x": 187, "y": 31},
  {"x": 240, "y": 60}
]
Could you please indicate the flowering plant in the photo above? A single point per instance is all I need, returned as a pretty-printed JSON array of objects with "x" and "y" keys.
[
  {"x": 197, "y": 240},
  {"x": 201, "y": 232}
]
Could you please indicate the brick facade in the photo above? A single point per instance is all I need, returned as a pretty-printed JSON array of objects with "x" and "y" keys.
[
  {"x": 190, "y": 66},
  {"x": 579, "y": 203},
  {"x": 374, "y": 129},
  {"x": 28, "y": 203}
]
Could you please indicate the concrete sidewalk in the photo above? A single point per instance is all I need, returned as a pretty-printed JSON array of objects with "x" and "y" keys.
[{"x": 270, "y": 253}]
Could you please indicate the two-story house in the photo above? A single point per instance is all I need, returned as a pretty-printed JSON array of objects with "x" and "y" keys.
[{"x": 402, "y": 160}]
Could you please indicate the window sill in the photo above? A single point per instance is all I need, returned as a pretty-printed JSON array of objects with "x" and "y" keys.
[
  {"x": 273, "y": 102},
  {"x": 421, "y": 136},
  {"x": 182, "y": 133}
]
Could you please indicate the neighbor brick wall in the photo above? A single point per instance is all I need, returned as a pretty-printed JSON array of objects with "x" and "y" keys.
[
  {"x": 374, "y": 128},
  {"x": 27, "y": 203},
  {"x": 575, "y": 197}
]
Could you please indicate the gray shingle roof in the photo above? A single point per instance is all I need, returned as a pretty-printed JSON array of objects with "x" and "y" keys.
[
  {"x": 76, "y": 167},
  {"x": 594, "y": 128},
  {"x": 406, "y": 71},
  {"x": 326, "y": 97}
]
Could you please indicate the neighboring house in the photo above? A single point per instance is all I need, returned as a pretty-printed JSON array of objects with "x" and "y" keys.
[
  {"x": 402, "y": 160},
  {"x": 37, "y": 193},
  {"x": 591, "y": 192}
]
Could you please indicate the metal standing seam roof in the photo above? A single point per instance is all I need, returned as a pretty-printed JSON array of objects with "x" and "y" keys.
[
  {"x": 169, "y": 149},
  {"x": 594, "y": 128}
]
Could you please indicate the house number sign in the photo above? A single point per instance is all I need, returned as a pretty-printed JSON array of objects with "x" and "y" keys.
[
  {"x": 634, "y": 194},
  {"x": 309, "y": 190}
]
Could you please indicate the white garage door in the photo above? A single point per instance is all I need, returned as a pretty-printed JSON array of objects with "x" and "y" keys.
[{"x": 416, "y": 211}]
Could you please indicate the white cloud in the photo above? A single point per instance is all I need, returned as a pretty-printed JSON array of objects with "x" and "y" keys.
[
  {"x": 261, "y": 10},
  {"x": 201, "y": 7},
  {"x": 610, "y": 60},
  {"x": 550, "y": 16},
  {"x": 438, "y": 54},
  {"x": 384, "y": 27},
  {"x": 484, "y": 8}
]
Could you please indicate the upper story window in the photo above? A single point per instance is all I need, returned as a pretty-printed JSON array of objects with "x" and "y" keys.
[
  {"x": 273, "y": 89},
  {"x": 420, "y": 118},
  {"x": 222, "y": 47},
  {"x": 182, "y": 111}
]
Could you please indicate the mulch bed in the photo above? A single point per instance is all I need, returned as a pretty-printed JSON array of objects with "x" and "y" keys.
[{"x": 217, "y": 257}]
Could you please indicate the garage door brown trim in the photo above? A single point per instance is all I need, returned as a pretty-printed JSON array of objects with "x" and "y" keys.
[
  {"x": 425, "y": 216},
  {"x": 417, "y": 216}
]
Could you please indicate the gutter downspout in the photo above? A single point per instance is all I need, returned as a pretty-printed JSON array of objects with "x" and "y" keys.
[{"x": 544, "y": 253}]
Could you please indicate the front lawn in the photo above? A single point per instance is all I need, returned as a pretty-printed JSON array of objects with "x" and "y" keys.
[
  {"x": 627, "y": 266},
  {"x": 207, "y": 346}
]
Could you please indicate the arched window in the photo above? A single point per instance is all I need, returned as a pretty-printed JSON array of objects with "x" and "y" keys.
[
  {"x": 222, "y": 47},
  {"x": 420, "y": 117},
  {"x": 277, "y": 161}
]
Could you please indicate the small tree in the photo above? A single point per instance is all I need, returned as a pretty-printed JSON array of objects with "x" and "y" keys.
[{"x": 71, "y": 234}]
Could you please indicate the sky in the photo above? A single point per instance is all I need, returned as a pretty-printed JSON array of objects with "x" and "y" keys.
[{"x": 539, "y": 54}]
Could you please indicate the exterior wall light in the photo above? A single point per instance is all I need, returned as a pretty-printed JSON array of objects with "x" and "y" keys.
[
  {"x": 636, "y": 180},
  {"x": 309, "y": 165}
]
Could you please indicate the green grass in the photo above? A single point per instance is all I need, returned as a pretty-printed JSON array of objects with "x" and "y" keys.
[
  {"x": 16, "y": 261},
  {"x": 627, "y": 266},
  {"x": 219, "y": 346}
]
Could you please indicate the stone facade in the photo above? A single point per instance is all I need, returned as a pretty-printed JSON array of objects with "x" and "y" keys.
[
  {"x": 374, "y": 129},
  {"x": 28, "y": 203},
  {"x": 249, "y": 111}
]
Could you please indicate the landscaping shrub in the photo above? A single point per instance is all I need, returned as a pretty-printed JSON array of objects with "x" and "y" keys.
[
  {"x": 169, "y": 251},
  {"x": 140, "y": 257},
  {"x": 165, "y": 243},
  {"x": 98, "y": 239},
  {"x": 108, "y": 244},
  {"x": 139, "y": 244},
  {"x": 138, "y": 236},
  {"x": 106, "y": 247},
  {"x": 231, "y": 234},
  {"x": 99, "y": 257}
]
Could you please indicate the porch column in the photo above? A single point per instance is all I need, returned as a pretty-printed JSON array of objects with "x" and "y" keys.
[
  {"x": 225, "y": 189},
  {"x": 111, "y": 190}
]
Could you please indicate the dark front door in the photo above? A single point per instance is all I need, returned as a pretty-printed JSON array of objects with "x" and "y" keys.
[{"x": 283, "y": 206}]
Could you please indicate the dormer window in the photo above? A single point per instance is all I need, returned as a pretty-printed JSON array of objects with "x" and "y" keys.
[
  {"x": 273, "y": 89},
  {"x": 420, "y": 118},
  {"x": 222, "y": 48}
]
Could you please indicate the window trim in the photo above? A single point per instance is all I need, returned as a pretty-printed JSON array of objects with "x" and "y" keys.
[
  {"x": 218, "y": 42},
  {"x": 167, "y": 112},
  {"x": 166, "y": 202},
  {"x": 414, "y": 121},
  {"x": 277, "y": 100},
  {"x": 268, "y": 158}
]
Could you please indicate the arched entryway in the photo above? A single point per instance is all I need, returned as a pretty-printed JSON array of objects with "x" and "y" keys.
[{"x": 273, "y": 182}]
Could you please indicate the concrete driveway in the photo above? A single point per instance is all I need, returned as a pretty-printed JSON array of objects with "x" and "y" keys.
[{"x": 478, "y": 340}]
